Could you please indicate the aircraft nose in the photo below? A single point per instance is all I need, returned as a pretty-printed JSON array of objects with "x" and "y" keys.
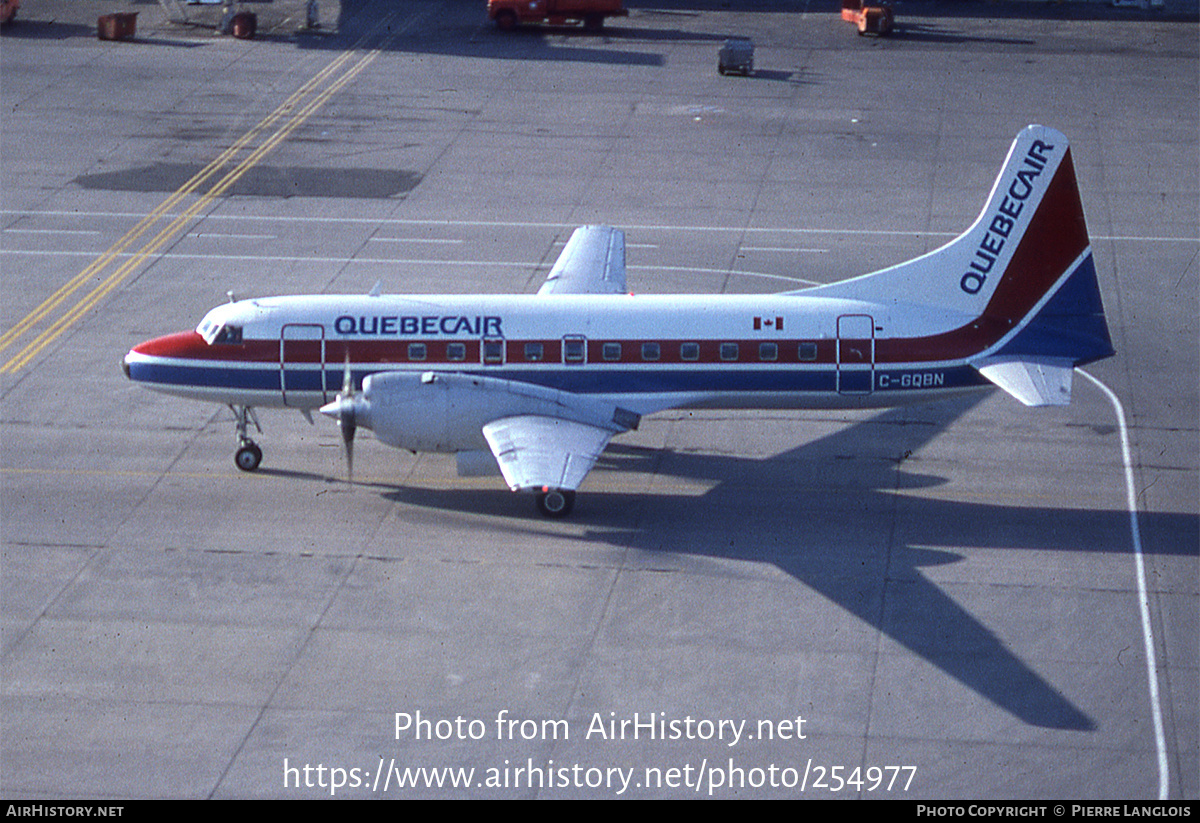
[{"x": 125, "y": 367}]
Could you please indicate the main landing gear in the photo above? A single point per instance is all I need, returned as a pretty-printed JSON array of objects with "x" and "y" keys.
[
  {"x": 248, "y": 455},
  {"x": 555, "y": 502}
]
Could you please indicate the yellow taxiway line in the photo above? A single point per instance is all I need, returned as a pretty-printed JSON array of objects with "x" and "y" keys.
[{"x": 293, "y": 113}]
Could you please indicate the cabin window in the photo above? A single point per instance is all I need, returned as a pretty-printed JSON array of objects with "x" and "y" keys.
[
  {"x": 574, "y": 349},
  {"x": 689, "y": 351},
  {"x": 493, "y": 352},
  {"x": 611, "y": 351},
  {"x": 456, "y": 351},
  {"x": 808, "y": 352},
  {"x": 729, "y": 351},
  {"x": 534, "y": 352},
  {"x": 651, "y": 351},
  {"x": 768, "y": 351},
  {"x": 417, "y": 351}
]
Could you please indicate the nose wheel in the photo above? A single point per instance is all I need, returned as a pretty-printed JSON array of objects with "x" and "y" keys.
[
  {"x": 555, "y": 502},
  {"x": 248, "y": 455}
]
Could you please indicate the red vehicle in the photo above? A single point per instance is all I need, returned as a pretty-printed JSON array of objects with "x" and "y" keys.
[
  {"x": 869, "y": 16},
  {"x": 508, "y": 13}
]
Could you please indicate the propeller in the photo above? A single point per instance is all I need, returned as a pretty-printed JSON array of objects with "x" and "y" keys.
[{"x": 345, "y": 411}]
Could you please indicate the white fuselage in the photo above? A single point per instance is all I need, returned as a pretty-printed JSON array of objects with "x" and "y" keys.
[{"x": 644, "y": 352}]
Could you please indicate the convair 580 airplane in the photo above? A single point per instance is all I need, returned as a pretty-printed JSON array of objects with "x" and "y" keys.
[{"x": 539, "y": 384}]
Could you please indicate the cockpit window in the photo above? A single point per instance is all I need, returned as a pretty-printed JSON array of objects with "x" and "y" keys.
[
  {"x": 228, "y": 334},
  {"x": 214, "y": 332}
]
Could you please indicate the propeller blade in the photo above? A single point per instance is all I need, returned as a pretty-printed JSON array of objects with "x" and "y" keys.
[
  {"x": 347, "y": 379},
  {"x": 348, "y": 425},
  {"x": 344, "y": 410}
]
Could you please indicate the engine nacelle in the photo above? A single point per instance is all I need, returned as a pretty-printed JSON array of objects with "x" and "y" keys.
[{"x": 446, "y": 411}]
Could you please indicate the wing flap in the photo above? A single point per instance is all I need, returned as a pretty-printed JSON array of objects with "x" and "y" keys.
[
  {"x": 593, "y": 262},
  {"x": 1033, "y": 382},
  {"x": 535, "y": 451}
]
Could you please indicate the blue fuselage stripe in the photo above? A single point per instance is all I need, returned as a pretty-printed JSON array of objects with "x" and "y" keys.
[{"x": 581, "y": 380}]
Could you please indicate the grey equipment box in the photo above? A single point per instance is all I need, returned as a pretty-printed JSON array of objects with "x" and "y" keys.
[{"x": 737, "y": 54}]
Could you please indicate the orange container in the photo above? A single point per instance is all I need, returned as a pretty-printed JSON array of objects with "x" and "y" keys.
[
  {"x": 244, "y": 25},
  {"x": 117, "y": 26}
]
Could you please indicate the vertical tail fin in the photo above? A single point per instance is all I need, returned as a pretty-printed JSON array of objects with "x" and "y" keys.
[
  {"x": 1022, "y": 276},
  {"x": 1048, "y": 292}
]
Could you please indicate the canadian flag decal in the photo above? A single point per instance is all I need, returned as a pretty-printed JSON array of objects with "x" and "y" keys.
[{"x": 775, "y": 323}]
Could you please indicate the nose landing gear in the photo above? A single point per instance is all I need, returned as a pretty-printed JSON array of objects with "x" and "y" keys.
[{"x": 248, "y": 455}]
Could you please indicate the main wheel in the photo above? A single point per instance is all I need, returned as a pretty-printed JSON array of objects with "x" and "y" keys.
[
  {"x": 556, "y": 503},
  {"x": 248, "y": 457}
]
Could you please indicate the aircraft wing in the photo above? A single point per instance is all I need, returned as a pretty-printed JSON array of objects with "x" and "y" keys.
[
  {"x": 593, "y": 262},
  {"x": 536, "y": 451}
]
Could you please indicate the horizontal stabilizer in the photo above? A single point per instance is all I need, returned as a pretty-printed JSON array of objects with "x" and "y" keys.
[{"x": 1033, "y": 382}]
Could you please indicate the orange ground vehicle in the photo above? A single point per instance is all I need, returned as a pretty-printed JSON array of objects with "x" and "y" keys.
[
  {"x": 509, "y": 13},
  {"x": 870, "y": 16}
]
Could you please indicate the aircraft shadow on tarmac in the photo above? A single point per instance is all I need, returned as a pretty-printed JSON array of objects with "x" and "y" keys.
[
  {"x": 828, "y": 514},
  {"x": 918, "y": 32}
]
